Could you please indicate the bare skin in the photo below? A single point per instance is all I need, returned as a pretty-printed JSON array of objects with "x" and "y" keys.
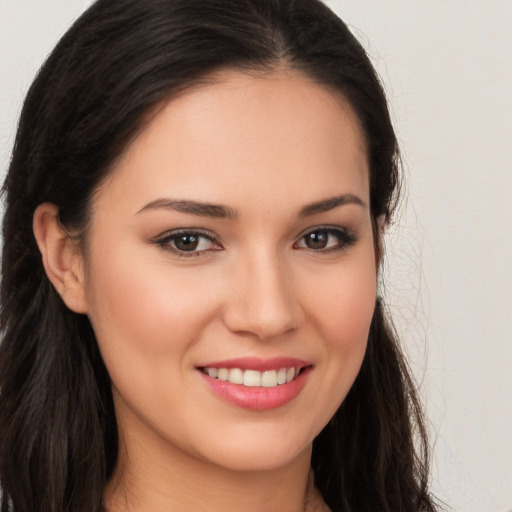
[{"x": 279, "y": 264}]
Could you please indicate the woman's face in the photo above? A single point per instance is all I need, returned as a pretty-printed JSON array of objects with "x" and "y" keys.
[{"x": 234, "y": 241}]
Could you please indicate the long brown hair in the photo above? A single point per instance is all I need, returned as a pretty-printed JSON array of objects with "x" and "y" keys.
[{"x": 58, "y": 432}]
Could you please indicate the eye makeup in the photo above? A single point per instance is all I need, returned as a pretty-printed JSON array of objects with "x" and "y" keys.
[
  {"x": 193, "y": 242},
  {"x": 326, "y": 239},
  {"x": 188, "y": 242}
]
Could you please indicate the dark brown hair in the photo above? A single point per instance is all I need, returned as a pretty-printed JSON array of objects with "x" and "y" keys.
[{"x": 58, "y": 432}]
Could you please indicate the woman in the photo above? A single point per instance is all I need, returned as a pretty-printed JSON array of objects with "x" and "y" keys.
[{"x": 192, "y": 237}]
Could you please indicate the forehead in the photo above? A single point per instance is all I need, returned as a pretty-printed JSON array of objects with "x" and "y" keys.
[{"x": 252, "y": 135}]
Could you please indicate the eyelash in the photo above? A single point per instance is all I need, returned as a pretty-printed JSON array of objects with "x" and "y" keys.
[
  {"x": 166, "y": 242},
  {"x": 345, "y": 239}
]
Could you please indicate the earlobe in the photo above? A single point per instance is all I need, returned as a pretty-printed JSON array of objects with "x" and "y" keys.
[{"x": 61, "y": 259}]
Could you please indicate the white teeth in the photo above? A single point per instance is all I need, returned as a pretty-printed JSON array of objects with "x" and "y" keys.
[
  {"x": 236, "y": 376},
  {"x": 281, "y": 376},
  {"x": 254, "y": 378},
  {"x": 269, "y": 379},
  {"x": 213, "y": 372}
]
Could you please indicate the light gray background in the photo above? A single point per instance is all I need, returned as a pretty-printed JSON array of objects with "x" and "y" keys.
[{"x": 447, "y": 70}]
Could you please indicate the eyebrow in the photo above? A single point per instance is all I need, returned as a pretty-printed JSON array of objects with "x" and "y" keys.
[
  {"x": 224, "y": 212},
  {"x": 192, "y": 207},
  {"x": 329, "y": 204}
]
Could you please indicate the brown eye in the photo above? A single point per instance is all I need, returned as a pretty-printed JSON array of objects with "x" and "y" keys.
[
  {"x": 317, "y": 240},
  {"x": 186, "y": 242},
  {"x": 326, "y": 239}
]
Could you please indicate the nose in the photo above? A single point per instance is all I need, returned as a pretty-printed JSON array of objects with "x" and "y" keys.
[{"x": 262, "y": 299}]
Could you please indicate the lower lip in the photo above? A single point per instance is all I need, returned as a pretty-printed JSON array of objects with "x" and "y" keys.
[{"x": 257, "y": 398}]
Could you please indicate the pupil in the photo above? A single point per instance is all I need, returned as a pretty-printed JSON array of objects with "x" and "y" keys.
[
  {"x": 187, "y": 242},
  {"x": 317, "y": 240}
]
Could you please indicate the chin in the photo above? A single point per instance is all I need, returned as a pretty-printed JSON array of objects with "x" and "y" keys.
[
  {"x": 263, "y": 454},
  {"x": 252, "y": 461}
]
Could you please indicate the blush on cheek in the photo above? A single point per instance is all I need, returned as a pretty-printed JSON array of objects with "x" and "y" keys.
[
  {"x": 350, "y": 306},
  {"x": 348, "y": 335},
  {"x": 148, "y": 312}
]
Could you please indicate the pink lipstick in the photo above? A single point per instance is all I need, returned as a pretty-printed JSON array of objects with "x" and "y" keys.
[{"x": 257, "y": 384}]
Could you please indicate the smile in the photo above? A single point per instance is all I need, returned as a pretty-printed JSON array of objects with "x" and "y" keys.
[
  {"x": 253, "y": 378},
  {"x": 257, "y": 384}
]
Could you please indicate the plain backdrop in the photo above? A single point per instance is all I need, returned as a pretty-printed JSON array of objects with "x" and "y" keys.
[{"x": 447, "y": 70}]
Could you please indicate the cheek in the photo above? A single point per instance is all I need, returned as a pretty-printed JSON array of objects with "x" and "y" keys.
[
  {"x": 141, "y": 316},
  {"x": 342, "y": 317},
  {"x": 145, "y": 324},
  {"x": 352, "y": 308},
  {"x": 344, "y": 308}
]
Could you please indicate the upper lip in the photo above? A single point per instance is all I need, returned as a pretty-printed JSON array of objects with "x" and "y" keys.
[{"x": 258, "y": 364}]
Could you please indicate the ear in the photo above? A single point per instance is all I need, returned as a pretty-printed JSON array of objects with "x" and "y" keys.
[{"x": 62, "y": 260}]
